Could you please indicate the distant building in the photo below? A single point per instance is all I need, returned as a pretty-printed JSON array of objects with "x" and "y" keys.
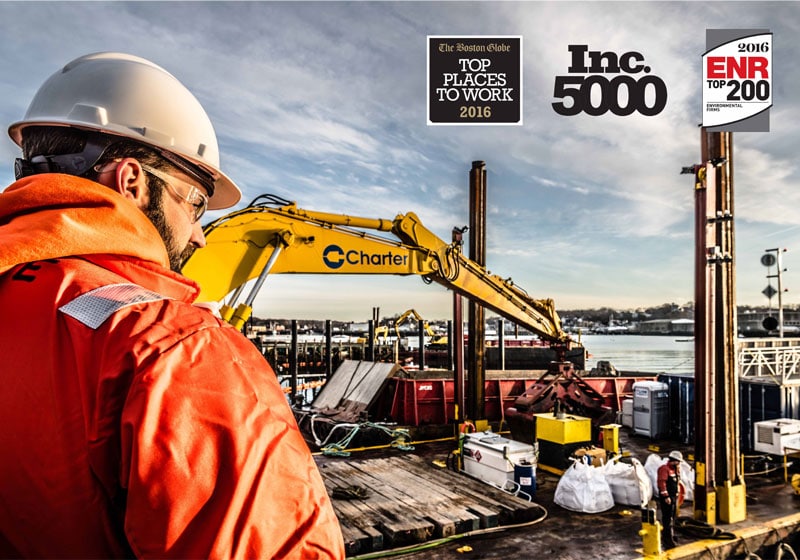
[
  {"x": 683, "y": 327},
  {"x": 751, "y": 322}
]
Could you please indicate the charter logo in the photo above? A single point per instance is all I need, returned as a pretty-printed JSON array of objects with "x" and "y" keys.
[
  {"x": 737, "y": 80},
  {"x": 333, "y": 256}
]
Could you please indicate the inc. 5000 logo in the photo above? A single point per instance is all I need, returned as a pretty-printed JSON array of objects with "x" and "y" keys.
[{"x": 590, "y": 91}]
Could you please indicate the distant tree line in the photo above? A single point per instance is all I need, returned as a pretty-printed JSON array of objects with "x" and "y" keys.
[
  {"x": 663, "y": 311},
  {"x": 602, "y": 315}
]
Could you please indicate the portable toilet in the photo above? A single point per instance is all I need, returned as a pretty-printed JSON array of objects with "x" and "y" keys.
[{"x": 651, "y": 409}]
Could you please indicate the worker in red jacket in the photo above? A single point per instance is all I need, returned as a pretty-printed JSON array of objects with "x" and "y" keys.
[
  {"x": 669, "y": 479},
  {"x": 133, "y": 423}
]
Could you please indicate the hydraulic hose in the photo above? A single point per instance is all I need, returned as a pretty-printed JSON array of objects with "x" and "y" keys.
[
  {"x": 701, "y": 529},
  {"x": 439, "y": 542},
  {"x": 785, "y": 548}
]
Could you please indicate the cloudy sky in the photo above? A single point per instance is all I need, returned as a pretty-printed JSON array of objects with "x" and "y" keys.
[{"x": 325, "y": 104}]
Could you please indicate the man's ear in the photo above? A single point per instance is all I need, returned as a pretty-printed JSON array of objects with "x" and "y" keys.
[{"x": 130, "y": 181}]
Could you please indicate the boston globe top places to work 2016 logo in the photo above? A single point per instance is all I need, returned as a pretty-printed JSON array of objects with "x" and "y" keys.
[
  {"x": 474, "y": 80},
  {"x": 737, "y": 80}
]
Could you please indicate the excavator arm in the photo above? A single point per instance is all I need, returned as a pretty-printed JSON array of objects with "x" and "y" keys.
[
  {"x": 425, "y": 325},
  {"x": 274, "y": 236}
]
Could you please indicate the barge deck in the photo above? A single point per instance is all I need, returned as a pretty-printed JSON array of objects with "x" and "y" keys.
[{"x": 418, "y": 510}]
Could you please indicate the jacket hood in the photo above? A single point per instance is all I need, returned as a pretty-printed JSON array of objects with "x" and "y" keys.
[{"x": 52, "y": 215}]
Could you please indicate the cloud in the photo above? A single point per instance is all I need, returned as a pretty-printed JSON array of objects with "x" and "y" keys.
[{"x": 324, "y": 104}]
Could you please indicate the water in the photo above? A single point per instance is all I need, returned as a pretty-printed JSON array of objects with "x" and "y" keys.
[{"x": 657, "y": 354}]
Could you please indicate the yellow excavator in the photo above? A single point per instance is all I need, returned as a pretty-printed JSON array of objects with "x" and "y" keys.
[
  {"x": 381, "y": 336},
  {"x": 436, "y": 338},
  {"x": 273, "y": 236}
]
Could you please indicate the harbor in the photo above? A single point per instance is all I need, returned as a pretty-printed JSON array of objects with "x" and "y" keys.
[
  {"x": 538, "y": 401},
  {"x": 413, "y": 280}
]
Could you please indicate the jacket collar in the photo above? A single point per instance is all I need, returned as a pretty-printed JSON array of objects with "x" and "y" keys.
[{"x": 53, "y": 215}]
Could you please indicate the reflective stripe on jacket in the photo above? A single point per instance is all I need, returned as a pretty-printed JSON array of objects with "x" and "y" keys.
[{"x": 132, "y": 422}]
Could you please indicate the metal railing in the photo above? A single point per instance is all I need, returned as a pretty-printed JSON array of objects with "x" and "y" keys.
[{"x": 777, "y": 359}]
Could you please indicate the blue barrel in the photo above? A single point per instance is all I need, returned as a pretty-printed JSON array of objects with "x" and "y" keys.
[{"x": 525, "y": 476}]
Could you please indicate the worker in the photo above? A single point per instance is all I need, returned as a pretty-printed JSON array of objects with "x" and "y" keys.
[
  {"x": 133, "y": 423},
  {"x": 669, "y": 478}
]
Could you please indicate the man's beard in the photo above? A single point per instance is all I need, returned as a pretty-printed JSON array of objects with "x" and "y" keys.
[{"x": 155, "y": 212}]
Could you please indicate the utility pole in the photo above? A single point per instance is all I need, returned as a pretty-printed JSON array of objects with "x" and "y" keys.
[
  {"x": 476, "y": 315},
  {"x": 719, "y": 489},
  {"x": 457, "y": 342}
]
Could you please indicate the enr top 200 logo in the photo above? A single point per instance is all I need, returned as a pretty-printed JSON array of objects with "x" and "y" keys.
[{"x": 595, "y": 94}]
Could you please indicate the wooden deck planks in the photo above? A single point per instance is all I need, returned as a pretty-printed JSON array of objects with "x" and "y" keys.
[
  {"x": 509, "y": 509},
  {"x": 390, "y": 513},
  {"x": 411, "y": 501},
  {"x": 411, "y": 491}
]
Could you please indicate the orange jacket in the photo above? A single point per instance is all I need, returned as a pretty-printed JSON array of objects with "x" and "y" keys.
[
  {"x": 668, "y": 479},
  {"x": 132, "y": 422}
]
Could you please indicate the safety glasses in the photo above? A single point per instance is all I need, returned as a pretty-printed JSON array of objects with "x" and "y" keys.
[
  {"x": 196, "y": 199},
  {"x": 194, "y": 196}
]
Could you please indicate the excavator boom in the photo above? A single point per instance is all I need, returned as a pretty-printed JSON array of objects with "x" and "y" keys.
[{"x": 275, "y": 237}]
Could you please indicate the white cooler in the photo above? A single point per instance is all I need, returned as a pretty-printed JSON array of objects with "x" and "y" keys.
[{"x": 627, "y": 413}]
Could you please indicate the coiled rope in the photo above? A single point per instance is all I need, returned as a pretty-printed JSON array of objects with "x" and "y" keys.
[
  {"x": 400, "y": 439},
  {"x": 701, "y": 529}
]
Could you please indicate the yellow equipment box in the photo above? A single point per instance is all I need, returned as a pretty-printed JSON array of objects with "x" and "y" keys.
[
  {"x": 611, "y": 437},
  {"x": 567, "y": 429}
]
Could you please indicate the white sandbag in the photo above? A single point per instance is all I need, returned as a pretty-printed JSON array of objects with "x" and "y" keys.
[
  {"x": 651, "y": 465},
  {"x": 687, "y": 475},
  {"x": 583, "y": 488},
  {"x": 629, "y": 483},
  {"x": 687, "y": 478}
]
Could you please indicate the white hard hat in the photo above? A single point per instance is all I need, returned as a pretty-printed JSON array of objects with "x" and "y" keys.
[
  {"x": 124, "y": 95},
  {"x": 675, "y": 456}
]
